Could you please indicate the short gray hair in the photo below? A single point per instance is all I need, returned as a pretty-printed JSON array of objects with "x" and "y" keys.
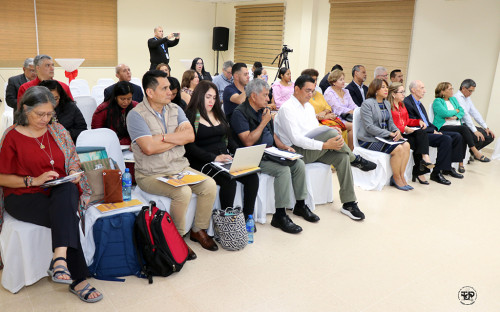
[
  {"x": 467, "y": 83},
  {"x": 28, "y": 62},
  {"x": 32, "y": 98},
  {"x": 256, "y": 86},
  {"x": 412, "y": 85},
  {"x": 227, "y": 64},
  {"x": 39, "y": 58},
  {"x": 379, "y": 70},
  {"x": 356, "y": 68}
]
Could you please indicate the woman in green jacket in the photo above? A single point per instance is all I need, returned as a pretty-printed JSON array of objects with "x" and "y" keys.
[{"x": 448, "y": 116}]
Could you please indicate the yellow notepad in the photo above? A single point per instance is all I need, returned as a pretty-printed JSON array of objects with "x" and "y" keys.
[
  {"x": 114, "y": 206},
  {"x": 183, "y": 178},
  {"x": 244, "y": 171}
]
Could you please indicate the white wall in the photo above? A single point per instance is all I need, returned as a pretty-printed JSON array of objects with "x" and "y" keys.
[{"x": 455, "y": 40}]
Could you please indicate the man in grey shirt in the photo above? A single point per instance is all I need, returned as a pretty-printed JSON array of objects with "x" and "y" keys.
[{"x": 225, "y": 78}]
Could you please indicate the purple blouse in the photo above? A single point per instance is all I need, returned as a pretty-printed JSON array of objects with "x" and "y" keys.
[{"x": 339, "y": 107}]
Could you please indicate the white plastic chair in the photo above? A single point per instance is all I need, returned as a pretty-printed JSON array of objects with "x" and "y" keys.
[
  {"x": 319, "y": 191},
  {"x": 378, "y": 178},
  {"x": 79, "y": 87},
  {"x": 106, "y": 82},
  {"x": 98, "y": 93},
  {"x": 430, "y": 114},
  {"x": 136, "y": 81},
  {"x": 87, "y": 106},
  {"x": 496, "y": 153},
  {"x": 106, "y": 138},
  {"x": 26, "y": 251}
]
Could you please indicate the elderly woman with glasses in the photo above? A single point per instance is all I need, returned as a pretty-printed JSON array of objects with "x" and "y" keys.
[
  {"x": 448, "y": 116},
  {"x": 32, "y": 152}
]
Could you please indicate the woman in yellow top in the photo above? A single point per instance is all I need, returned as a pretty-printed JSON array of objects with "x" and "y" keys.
[{"x": 324, "y": 111}]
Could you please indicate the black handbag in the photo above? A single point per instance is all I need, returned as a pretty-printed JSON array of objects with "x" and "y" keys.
[
  {"x": 347, "y": 117},
  {"x": 280, "y": 160}
]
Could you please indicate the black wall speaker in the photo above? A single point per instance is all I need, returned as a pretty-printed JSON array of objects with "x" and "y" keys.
[{"x": 220, "y": 39}]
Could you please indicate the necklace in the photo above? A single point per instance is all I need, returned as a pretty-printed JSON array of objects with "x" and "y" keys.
[{"x": 42, "y": 147}]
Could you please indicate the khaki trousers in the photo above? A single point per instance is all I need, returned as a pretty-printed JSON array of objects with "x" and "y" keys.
[
  {"x": 340, "y": 159},
  {"x": 181, "y": 196}
]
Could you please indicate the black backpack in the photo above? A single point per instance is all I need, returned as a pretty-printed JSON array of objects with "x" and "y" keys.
[{"x": 160, "y": 248}]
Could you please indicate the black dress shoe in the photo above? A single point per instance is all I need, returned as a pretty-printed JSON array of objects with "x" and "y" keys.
[
  {"x": 191, "y": 254},
  {"x": 424, "y": 164},
  {"x": 286, "y": 224},
  {"x": 438, "y": 177},
  {"x": 416, "y": 177},
  {"x": 306, "y": 213},
  {"x": 453, "y": 173}
]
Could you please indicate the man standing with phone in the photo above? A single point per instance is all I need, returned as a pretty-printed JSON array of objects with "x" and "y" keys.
[{"x": 158, "y": 47}]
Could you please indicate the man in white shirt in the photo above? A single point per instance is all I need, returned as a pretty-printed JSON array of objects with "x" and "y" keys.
[
  {"x": 482, "y": 135},
  {"x": 295, "y": 119}
]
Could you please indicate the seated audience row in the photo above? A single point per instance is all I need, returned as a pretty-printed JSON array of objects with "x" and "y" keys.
[{"x": 169, "y": 137}]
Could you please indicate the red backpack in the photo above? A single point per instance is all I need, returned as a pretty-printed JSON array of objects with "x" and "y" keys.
[{"x": 160, "y": 248}]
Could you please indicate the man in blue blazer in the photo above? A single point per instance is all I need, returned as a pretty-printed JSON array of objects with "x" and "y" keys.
[
  {"x": 356, "y": 85},
  {"x": 447, "y": 143}
]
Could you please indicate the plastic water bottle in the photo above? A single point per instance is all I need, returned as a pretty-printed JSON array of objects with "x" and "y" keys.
[
  {"x": 250, "y": 228},
  {"x": 127, "y": 185}
]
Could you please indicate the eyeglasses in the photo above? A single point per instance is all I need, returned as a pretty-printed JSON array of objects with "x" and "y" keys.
[
  {"x": 309, "y": 90},
  {"x": 42, "y": 115},
  {"x": 469, "y": 90},
  {"x": 402, "y": 92},
  {"x": 199, "y": 63}
]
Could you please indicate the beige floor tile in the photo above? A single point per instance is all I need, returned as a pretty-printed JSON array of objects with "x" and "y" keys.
[
  {"x": 414, "y": 252},
  {"x": 15, "y": 304}
]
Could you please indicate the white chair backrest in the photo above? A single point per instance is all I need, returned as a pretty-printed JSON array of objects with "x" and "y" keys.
[
  {"x": 87, "y": 106},
  {"x": 103, "y": 137},
  {"x": 430, "y": 114},
  {"x": 136, "y": 81},
  {"x": 98, "y": 93},
  {"x": 81, "y": 85},
  {"x": 356, "y": 123},
  {"x": 105, "y": 82}
]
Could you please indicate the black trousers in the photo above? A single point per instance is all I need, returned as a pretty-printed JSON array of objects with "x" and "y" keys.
[
  {"x": 419, "y": 143},
  {"x": 58, "y": 211},
  {"x": 450, "y": 149},
  {"x": 228, "y": 190},
  {"x": 467, "y": 136},
  {"x": 487, "y": 139}
]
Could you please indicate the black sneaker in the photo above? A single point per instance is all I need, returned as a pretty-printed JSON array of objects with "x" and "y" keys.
[
  {"x": 363, "y": 164},
  {"x": 352, "y": 211},
  {"x": 286, "y": 224}
]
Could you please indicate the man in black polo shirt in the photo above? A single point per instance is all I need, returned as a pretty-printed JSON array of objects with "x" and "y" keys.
[{"x": 252, "y": 123}]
